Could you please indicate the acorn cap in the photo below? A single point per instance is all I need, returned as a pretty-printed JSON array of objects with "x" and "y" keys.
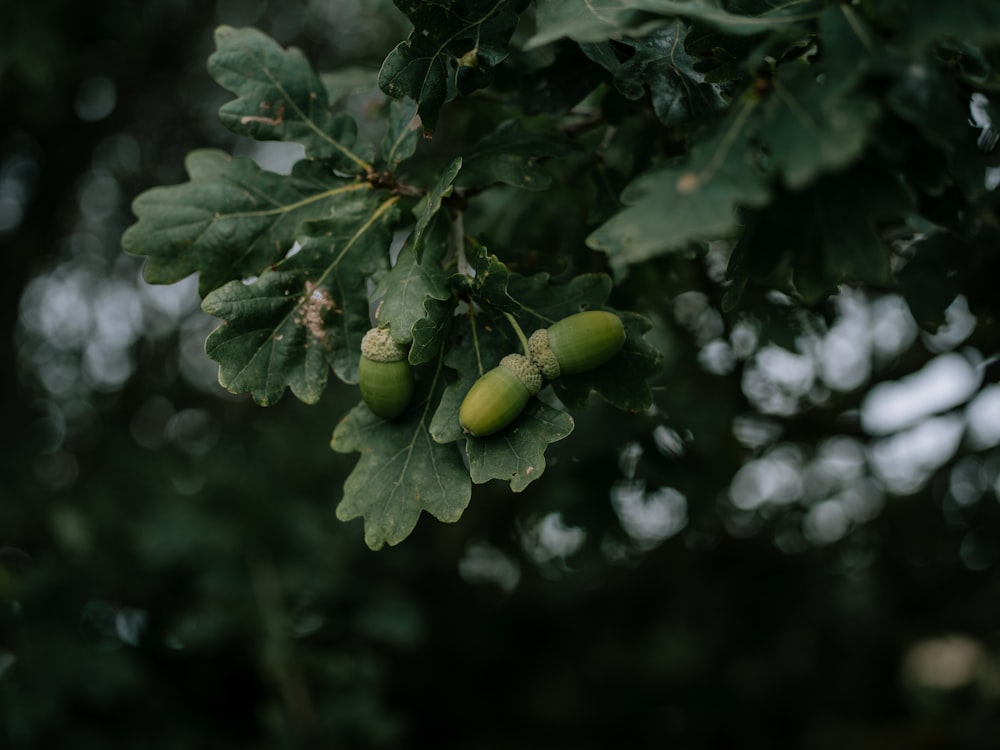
[
  {"x": 379, "y": 346},
  {"x": 525, "y": 371},
  {"x": 543, "y": 357}
]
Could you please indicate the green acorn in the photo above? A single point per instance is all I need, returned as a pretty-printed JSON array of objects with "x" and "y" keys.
[
  {"x": 495, "y": 400},
  {"x": 385, "y": 375},
  {"x": 577, "y": 343}
]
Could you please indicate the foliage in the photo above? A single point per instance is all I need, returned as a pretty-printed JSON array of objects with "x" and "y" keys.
[
  {"x": 765, "y": 120},
  {"x": 284, "y": 262},
  {"x": 799, "y": 534}
]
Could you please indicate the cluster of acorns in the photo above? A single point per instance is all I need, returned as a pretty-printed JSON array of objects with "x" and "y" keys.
[{"x": 574, "y": 344}]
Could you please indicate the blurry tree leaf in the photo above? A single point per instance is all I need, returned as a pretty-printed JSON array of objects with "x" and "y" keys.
[
  {"x": 555, "y": 88},
  {"x": 584, "y": 22},
  {"x": 401, "y": 472},
  {"x": 512, "y": 156},
  {"x": 403, "y": 133},
  {"x": 231, "y": 220},
  {"x": 811, "y": 126},
  {"x": 827, "y": 233},
  {"x": 930, "y": 100},
  {"x": 847, "y": 43},
  {"x": 926, "y": 281},
  {"x": 735, "y": 18},
  {"x": 428, "y": 208},
  {"x": 613, "y": 18},
  {"x": 838, "y": 237},
  {"x": 347, "y": 80},
  {"x": 452, "y": 50},
  {"x": 923, "y": 22},
  {"x": 542, "y": 303},
  {"x": 281, "y": 98},
  {"x": 517, "y": 454},
  {"x": 306, "y": 314},
  {"x": 668, "y": 207}
]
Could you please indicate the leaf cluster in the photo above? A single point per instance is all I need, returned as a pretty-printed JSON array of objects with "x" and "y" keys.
[
  {"x": 299, "y": 266},
  {"x": 825, "y": 142}
]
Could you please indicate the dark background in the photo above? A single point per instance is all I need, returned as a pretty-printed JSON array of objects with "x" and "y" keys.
[{"x": 172, "y": 574}]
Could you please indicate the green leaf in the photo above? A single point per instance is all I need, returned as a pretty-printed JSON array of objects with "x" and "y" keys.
[
  {"x": 428, "y": 208},
  {"x": 513, "y": 156},
  {"x": 763, "y": 17},
  {"x": 282, "y": 99},
  {"x": 517, "y": 454},
  {"x": 307, "y": 313},
  {"x": 410, "y": 284},
  {"x": 490, "y": 283},
  {"x": 401, "y": 473},
  {"x": 927, "y": 280},
  {"x": 826, "y": 234},
  {"x": 834, "y": 237},
  {"x": 590, "y": 21},
  {"x": 452, "y": 50},
  {"x": 349, "y": 79},
  {"x": 811, "y": 124},
  {"x": 660, "y": 63},
  {"x": 542, "y": 303},
  {"x": 926, "y": 21},
  {"x": 231, "y": 220},
  {"x": 929, "y": 99},
  {"x": 671, "y": 206},
  {"x": 403, "y": 133},
  {"x": 431, "y": 331},
  {"x": 556, "y": 88},
  {"x": 595, "y": 20}
]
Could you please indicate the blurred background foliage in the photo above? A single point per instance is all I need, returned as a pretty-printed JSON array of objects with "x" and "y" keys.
[{"x": 797, "y": 548}]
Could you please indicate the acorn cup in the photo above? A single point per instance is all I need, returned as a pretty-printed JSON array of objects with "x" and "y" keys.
[
  {"x": 577, "y": 343},
  {"x": 499, "y": 396},
  {"x": 385, "y": 375}
]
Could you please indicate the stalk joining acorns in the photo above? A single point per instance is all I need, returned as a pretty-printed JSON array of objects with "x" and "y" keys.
[{"x": 385, "y": 375}]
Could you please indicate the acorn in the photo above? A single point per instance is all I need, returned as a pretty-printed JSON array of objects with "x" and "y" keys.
[
  {"x": 577, "y": 343},
  {"x": 499, "y": 396},
  {"x": 385, "y": 375}
]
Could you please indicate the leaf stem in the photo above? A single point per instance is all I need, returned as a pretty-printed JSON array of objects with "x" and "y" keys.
[
  {"x": 855, "y": 23},
  {"x": 456, "y": 239},
  {"x": 517, "y": 331},
  {"x": 475, "y": 337}
]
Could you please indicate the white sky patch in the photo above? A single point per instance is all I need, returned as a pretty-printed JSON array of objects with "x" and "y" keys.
[
  {"x": 958, "y": 326},
  {"x": 776, "y": 380},
  {"x": 776, "y": 478},
  {"x": 276, "y": 156},
  {"x": 893, "y": 328},
  {"x": 905, "y": 461},
  {"x": 983, "y": 413},
  {"x": 944, "y": 383},
  {"x": 484, "y": 563},
  {"x": 550, "y": 539},
  {"x": 648, "y": 518},
  {"x": 844, "y": 354}
]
